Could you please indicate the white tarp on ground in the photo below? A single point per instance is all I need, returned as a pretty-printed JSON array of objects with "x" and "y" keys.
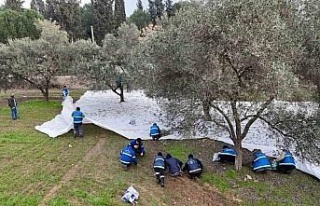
[{"x": 134, "y": 117}]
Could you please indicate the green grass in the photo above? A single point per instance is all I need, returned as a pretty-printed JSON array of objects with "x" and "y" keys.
[
  {"x": 32, "y": 164},
  {"x": 265, "y": 189},
  {"x": 179, "y": 151},
  {"x": 268, "y": 189},
  {"x": 58, "y": 201},
  {"x": 219, "y": 182}
]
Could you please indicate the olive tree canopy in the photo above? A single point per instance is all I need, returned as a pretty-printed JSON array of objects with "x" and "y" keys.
[{"x": 224, "y": 50}]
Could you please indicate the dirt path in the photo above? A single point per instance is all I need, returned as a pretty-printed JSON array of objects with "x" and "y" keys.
[
  {"x": 74, "y": 170},
  {"x": 183, "y": 191},
  {"x": 193, "y": 193}
]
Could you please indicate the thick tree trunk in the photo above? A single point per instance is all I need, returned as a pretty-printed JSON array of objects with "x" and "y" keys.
[
  {"x": 238, "y": 148},
  {"x": 45, "y": 93}
]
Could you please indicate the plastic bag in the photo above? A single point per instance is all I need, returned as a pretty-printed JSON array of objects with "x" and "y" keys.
[
  {"x": 131, "y": 195},
  {"x": 216, "y": 157}
]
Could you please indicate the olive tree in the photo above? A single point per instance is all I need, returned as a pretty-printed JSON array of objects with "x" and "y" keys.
[
  {"x": 37, "y": 62},
  {"x": 103, "y": 66},
  {"x": 216, "y": 55},
  {"x": 307, "y": 33}
]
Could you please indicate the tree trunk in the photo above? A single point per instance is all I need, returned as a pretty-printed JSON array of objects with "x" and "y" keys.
[
  {"x": 238, "y": 148},
  {"x": 121, "y": 94},
  {"x": 206, "y": 109},
  {"x": 318, "y": 91},
  {"x": 45, "y": 93}
]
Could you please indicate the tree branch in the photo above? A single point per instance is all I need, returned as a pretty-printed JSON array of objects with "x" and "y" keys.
[
  {"x": 227, "y": 119},
  {"x": 222, "y": 125},
  {"x": 273, "y": 126},
  {"x": 235, "y": 113},
  {"x": 256, "y": 116},
  {"x": 245, "y": 69},
  {"x": 113, "y": 89}
]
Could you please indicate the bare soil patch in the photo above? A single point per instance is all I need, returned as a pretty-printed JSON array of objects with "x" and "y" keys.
[{"x": 183, "y": 191}]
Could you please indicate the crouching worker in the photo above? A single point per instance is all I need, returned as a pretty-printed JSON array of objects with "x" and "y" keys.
[
  {"x": 155, "y": 132},
  {"x": 174, "y": 166},
  {"x": 137, "y": 145},
  {"x": 193, "y": 166},
  {"x": 261, "y": 162},
  {"x": 227, "y": 155},
  {"x": 159, "y": 166},
  {"x": 128, "y": 157},
  {"x": 285, "y": 162}
]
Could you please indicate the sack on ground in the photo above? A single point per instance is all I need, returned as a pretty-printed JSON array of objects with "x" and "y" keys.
[{"x": 131, "y": 195}]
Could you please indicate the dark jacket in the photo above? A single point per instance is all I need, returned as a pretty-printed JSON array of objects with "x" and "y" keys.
[
  {"x": 159, "y": 162},
  {"x": 12, "y": 102},
  {"x": 140, "y": 148},
  {"x": 193, "y": 165},
  {"x": 65, "y": 92},
  {"x": 174, "y": 165}
]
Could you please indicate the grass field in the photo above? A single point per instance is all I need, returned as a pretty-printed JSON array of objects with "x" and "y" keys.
[{"x": 38, "y": 170}]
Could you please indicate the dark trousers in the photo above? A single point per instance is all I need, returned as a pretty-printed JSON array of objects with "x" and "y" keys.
[
  {"x": 227, "y": 158},
  {"x": 77, "y": 130},
  {"x": 159, "y": 170},
  {"x": 159, "y": 173},
  {"x": 137, "y": 151},
  {"x": 14, "y": 113},
  {"x": 287, "y": 169},
  {"x": 156, "y": 137},
  {"x": 195, "y": 174}
]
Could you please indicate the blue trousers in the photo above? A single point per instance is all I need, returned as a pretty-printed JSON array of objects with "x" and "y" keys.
[{"x": 14, "y": 113}]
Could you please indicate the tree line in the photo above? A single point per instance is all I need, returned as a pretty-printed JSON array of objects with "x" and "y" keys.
[
  {"x": 104, "y": 16},
  {"x": 221, "y": 65}
]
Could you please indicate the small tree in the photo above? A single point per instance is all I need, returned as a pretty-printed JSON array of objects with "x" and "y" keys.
[
  {"x": 38, "y": 61},
  {"x": 140, "y": 18},
  {"x": 102, "y": 65},
  {"x": 224, "y": 51}
]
